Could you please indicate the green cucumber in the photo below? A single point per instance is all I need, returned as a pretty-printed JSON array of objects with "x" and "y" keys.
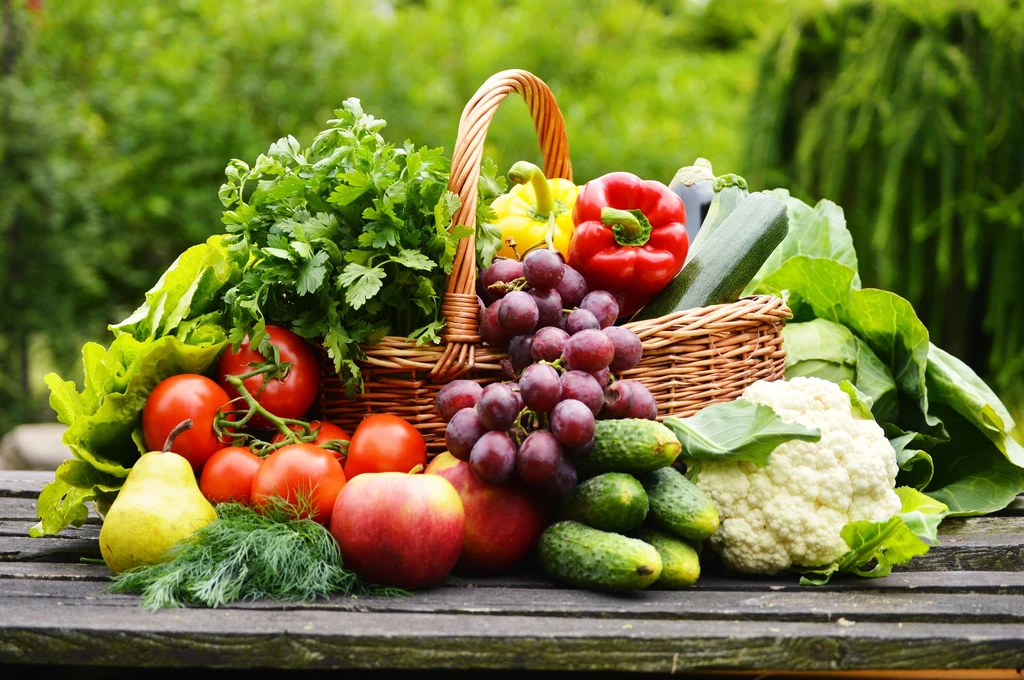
[
  {"x": 727, "y": 260},
  {"x": 630, "y": 445},
  {"x": 730, "y": 190},
  {"x": 680, "y": 561},
  {"x": 610, "y": 502},
  {"x": 601, "y": 560},
  {"x": 678, "y": 505}
]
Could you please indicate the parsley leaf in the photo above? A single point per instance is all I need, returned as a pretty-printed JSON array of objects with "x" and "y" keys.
[{"x": 346, "y": 240}]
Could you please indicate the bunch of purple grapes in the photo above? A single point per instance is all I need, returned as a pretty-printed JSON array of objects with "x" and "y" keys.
[{"x": 564, "y": 350}]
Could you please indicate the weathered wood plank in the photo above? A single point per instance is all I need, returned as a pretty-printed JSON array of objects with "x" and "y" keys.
[
  {"x": 87, "y": 635},
  {"x": 23, "y": 483},
  {"x": 809, "y": 605},
  {"x": 54, "y": 571},
  {"x": 991, "y": 582},
  {"x": 1001, "y": 552},
  {"x": 19, "y": 529},
  {"x": 957, "y": 527},
  {"x": 13, "y": 549},
  {"x": 964, "y": 582}
]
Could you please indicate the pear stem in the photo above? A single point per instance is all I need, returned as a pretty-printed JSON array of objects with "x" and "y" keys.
[{"x": 178, "y": 429}]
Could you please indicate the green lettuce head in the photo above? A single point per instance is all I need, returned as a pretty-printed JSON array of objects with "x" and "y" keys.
[{"x": 823, "y": 349}]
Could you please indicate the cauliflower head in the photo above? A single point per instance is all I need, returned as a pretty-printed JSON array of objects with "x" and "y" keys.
[{"x": 791, "y": 511}]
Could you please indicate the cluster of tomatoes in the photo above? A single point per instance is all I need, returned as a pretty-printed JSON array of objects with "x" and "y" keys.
[{"x": 308, "y": 469}]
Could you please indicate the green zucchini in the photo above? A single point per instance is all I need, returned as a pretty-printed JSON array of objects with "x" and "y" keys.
[
  {"x": 730, "y": 190},
  {"x": 727, "y": 260}
]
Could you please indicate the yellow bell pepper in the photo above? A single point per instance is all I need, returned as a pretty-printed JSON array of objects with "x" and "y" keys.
[{"x": 536, "y": 213}]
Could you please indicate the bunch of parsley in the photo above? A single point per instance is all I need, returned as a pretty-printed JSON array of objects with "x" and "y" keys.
[{"x": 348, "y": 240}]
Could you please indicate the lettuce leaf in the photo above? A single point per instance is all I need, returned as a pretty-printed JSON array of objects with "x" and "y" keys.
[
  {"x": 176, "y": 330},
  {"x": 953, "y": 383},
  {"x": 736, "y": 430},
  {"x": 190, "y": 288},
  {"x": 103, "y": 418},
  {"x": 876, "y": 547}
]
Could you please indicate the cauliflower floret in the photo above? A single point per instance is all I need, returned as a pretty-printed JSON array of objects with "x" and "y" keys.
[{"x": 791, "y": 512}]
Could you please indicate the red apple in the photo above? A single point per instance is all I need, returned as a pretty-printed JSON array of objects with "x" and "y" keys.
[
  {"x": 503, "y": 523},
  {"x": 398, "y": 529}
]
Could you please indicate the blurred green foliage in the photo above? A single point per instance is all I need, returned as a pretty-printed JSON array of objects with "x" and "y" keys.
[
  {"x": 909, "y": 115},
  {"x": 117, "y": 118}
]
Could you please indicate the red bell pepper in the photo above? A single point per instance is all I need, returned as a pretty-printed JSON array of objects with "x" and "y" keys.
[{"x": 630, "y": 237}]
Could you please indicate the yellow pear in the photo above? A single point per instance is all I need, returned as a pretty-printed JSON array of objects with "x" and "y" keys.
[{"x": 159, "y": 505}]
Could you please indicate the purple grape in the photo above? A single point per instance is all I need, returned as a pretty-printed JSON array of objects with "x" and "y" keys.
[
  {"x": 519, "y": 352},
  {"x": 498, "y": 407},
  {"x": 572, "y": 423},
  {"x": 583, "y": 387},
  {"x": 572, "y": 287},
  {"x": 628, "y": 349},
  {"x": 548, "y": 344},
  {"x": 493, "y": 458},
  {"x": 542, "y": 269},
  {"x": 644, "y": 406},
  {"x": 455, "y": 396},
  {"x": 603, "y": 377},
  {"x": 562, "y": 482},
  {"x": 618, "y": 399},
  {"x": 602, "y": 305},
  {"x": 518, "y": 313},
  {"x": 589, "y": 351},
  {"x": 581, "y": 320},
  {"x": 490, "y": 330},
  {"x": 540, "y": 387},
  {"x": 500, "y": 270},
  {"x": 549, "y": 306},
  {"x": 577, "y": 453},
  {"x": 539, "y": 457},
  {"x": 463, "y": 432},
  {"x": 517, "y": 392}
]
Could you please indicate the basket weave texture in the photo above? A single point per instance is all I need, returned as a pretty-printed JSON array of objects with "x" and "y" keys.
[{"x": 690, "y": 359}]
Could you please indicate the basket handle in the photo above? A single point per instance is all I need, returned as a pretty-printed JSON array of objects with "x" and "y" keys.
[{"x": 459, "y": 306}]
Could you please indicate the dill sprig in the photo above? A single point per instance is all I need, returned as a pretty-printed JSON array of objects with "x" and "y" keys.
[{"x": 248, "y": 555}]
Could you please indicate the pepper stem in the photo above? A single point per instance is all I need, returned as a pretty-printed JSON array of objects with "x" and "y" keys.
[
  {"x": 523, "y": 172},
  {"x": 630, "y": 227}
]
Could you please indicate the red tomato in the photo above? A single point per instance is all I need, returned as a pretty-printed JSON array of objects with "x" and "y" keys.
[
  {"x": 328, "y": 432},
  {"x": 300, "y": 471},
  {"x": 385, "y": 443},
  {"x": 227, "y": 475},
  {"x": 288, "y": 398},
  {"x": 178, "y": 398}
]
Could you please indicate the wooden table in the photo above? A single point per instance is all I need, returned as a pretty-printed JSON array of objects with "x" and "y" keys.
[{"x": 960, "y": 607}]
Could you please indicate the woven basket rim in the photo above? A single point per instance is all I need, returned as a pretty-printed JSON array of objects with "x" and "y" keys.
[{"x": 774, "y": 304}]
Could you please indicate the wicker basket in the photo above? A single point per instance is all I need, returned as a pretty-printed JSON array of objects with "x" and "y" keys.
[{"x": 691, "y": 359}]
